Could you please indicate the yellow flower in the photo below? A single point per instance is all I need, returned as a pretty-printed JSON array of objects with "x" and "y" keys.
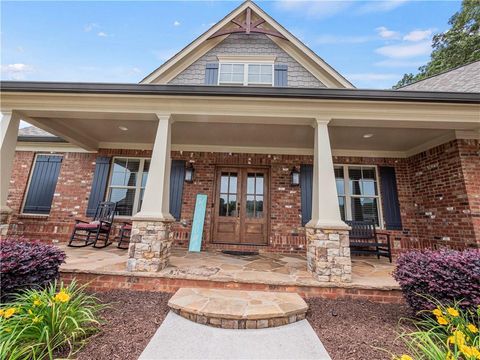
[
  {"x": 9, "y": 313},
  {"x": 2, "y": 312},
  {"x": 449, "y": 356},
  {"x": 470, "y": 351},
  {"x": 37, "y": 302},
  {"x": 442, "y": 321},
  {"x": 405, "y": 357},
  {"x": 37, "y": 319},
  {"x": 457, "y": 338},
  {"x": 437, "y": 312},
  {"x": 62, "y": 296},
  {"x": 472, "y": 328},
  {"x": 453, "y": 312}
]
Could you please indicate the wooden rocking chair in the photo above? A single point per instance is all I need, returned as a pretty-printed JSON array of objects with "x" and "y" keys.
[
  {"x": 88, "y": 233},
  {"x": 364, "y": 239},
  {"x": 124, "y": 236}
]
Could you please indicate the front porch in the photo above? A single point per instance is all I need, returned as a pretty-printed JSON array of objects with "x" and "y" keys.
[{"x": 221, "y": 270}]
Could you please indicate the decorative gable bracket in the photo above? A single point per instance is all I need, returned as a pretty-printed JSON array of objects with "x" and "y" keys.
[{"x": 247, "y": 27}]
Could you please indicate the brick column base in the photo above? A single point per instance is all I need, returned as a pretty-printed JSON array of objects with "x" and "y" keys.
[
  {"x": 150, "y": 245},
  {"x": 328, "y": 255}
]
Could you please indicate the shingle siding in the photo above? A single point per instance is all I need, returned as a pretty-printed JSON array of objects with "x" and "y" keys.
[{"x": 253, "y": 44}]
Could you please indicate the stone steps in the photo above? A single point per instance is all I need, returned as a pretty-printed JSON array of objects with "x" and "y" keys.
[{"x": 238, "y": 309}]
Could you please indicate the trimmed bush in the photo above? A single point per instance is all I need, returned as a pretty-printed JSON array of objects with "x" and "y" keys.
[
  {"x": 444, "y": 275},
  {"x": 27, "y": 265}
]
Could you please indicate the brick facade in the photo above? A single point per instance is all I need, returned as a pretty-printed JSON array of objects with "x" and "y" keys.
[
  {"x": 439, "y": 194},
  {"x": 253, "y": 44}
]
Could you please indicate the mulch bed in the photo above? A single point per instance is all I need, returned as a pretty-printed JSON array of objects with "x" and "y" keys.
[
  {"x": 355, "y": 330},
  {"x": 129, "y": 323},
  {"x": 349, "y": 329}
]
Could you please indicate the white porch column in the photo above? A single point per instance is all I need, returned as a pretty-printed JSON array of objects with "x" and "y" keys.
[
  {"x": 150, "y": 242},
  {"x": 328, "y": 252},
  {"x": 9, "y": 133}
]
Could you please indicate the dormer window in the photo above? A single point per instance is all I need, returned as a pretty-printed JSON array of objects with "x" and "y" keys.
[{"x": 247, "y": 71}]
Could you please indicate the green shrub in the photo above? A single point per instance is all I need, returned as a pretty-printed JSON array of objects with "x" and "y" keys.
[
  {"x": 445, "y": 333},
  {"x": 39, "y": 322}
]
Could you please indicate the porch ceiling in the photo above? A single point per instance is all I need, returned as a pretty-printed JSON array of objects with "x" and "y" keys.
[{"x": 232, "y": 133}]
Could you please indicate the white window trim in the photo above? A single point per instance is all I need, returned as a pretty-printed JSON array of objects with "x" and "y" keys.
[
  {"x": 32, "y": 169},
  {"x": 348, "y": 196},
  {"x": 138, "y": 187},
  {"x": 245, "y": 71}
]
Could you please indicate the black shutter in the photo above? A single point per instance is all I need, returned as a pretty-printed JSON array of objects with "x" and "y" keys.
[
  {"x": 42, "y": 184},
  {"x": 177, "y": 177},
  {"x": 306, "y": 185},
  {"x": 99, "y": 184},
  {"x": 281, "y": 75},
  {"x": 390, "y": 204},
  {"x": 211, "y": 74}
]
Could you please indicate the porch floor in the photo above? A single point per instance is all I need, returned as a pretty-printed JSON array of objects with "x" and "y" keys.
[{"x": 269, "y": 268}]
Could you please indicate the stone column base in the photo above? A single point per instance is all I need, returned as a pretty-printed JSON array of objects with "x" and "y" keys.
[
  {"x": 150, "y": 245},
  {"x": 5, "y": 215},
  {"x": 328, "y": 255}
]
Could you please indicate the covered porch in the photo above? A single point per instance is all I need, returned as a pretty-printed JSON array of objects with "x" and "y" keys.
[{"x": 257, "y": 125}]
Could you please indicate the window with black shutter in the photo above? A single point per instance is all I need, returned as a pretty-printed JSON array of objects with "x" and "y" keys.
[{"x": 43, "y": 181}]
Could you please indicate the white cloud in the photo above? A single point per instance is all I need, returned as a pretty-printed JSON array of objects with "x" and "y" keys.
[
  {"x": 316, "y": 9},
  {"x": 386, "y": 33},
  {"x": 381, "y": 6},
  {"x": 395, "y": 63},
  {"x": 372, "y": 76},
  {"x": 15, "y": 71},
  {"x": 176, "y": 23},
  {"x": 89, "y": 27},
  {"x": 403, "y": 51},
  {"x": 102, "y": 34},
  {"x": 418, "y": 35},
  {"x": 334, "y": 39}
]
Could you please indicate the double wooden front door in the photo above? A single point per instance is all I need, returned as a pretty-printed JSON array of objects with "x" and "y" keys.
[{"x": 241, "y": 206}]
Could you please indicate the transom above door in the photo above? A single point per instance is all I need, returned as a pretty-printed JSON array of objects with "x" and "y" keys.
[{"x": 241, "y": 208}]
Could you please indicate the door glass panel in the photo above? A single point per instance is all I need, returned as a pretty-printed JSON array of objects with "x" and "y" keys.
[
  {"x": 250, "y": 206},
  {"x": 259, "y": 185},
  {"x": 251, "y": 184},
  {"x": 228, "y": 194},
  {"x": 259, "y": 206}
]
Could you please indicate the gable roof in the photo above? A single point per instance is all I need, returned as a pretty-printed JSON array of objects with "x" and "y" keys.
[
  {"x": 215, "y": 35},
  {"x": 465, "y": 78}
]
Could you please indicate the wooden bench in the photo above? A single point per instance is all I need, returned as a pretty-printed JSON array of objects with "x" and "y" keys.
[{"x": 364, "y": 239}]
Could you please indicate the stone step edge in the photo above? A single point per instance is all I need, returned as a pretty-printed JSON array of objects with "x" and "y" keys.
[{"x": 229, "y": 323}]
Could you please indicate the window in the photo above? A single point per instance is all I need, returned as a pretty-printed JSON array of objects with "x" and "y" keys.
[
  {"x": 42, "y": 183},
  {"x": 357, "y": 190},
  {"x": 260, "y": 74},
  {"x": 127, "y": 184}
]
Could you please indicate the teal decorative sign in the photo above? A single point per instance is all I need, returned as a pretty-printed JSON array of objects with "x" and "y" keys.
[{"x": 198, "y": 222}]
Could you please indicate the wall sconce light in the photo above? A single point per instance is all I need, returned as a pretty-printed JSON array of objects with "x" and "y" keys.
[
  {"x": 189, "y": 173},
  {"x": 295, "y": 177}
]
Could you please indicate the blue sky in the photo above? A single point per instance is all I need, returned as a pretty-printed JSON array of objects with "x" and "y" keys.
[{"x": 372, "y": 43}]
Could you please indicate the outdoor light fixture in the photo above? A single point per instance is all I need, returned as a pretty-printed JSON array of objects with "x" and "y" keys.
[
  {"x": 295, "y": 177},
  {"x": 189, "y": 173},
  {"x": 123, "y": 128},
  {"x": 367, "y": 136}
]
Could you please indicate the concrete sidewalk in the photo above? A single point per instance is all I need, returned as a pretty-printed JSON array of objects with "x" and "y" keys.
[{"x": 179, "y": 338}]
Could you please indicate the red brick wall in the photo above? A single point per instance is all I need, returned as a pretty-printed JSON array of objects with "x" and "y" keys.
[{"x": 432, "y": 181}]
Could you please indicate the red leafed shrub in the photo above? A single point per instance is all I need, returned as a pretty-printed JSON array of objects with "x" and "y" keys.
[
  {"x": 444, "y": 275},
  {"x": 26, "y": 265}
]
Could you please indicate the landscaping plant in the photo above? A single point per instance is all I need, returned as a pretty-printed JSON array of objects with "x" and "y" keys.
[
  {"x": 445, "y": 275},
  {"x": 40, "y": 322},
  {"x": 445, "y": 333},
  {"x": 27, "y": 265}
]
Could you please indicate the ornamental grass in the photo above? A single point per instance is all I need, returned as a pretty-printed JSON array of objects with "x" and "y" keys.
[
  {"x": 39, "y": 323},
  {"x": 444, "y": 333}
]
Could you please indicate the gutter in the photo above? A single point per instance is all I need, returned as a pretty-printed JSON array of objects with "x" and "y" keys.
[{"x": 239, "y": 91}]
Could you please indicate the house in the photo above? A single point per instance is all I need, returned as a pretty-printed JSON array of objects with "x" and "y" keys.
[{"x": 246, "y": 108}]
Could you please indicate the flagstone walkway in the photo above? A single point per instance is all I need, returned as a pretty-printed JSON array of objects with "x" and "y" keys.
[{"x": 178, "y": 338}]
